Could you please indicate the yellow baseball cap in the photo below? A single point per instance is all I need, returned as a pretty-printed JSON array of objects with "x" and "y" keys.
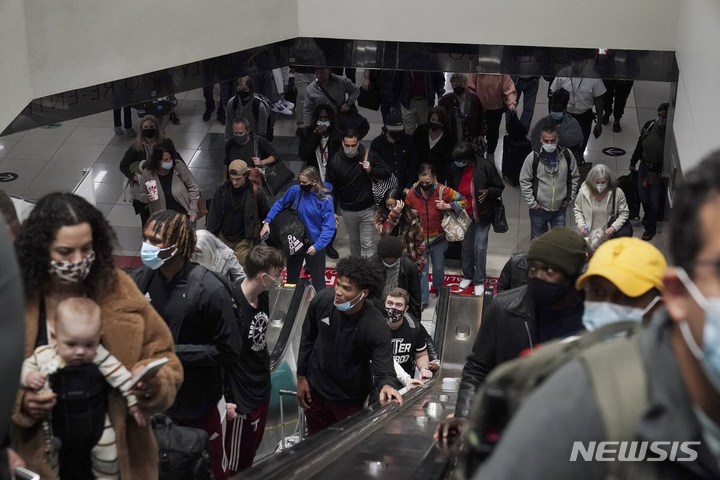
[{"x": 633, "y": 265}]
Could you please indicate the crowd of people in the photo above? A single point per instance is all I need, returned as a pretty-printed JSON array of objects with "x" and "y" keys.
[{"x": 201, "y": 299}]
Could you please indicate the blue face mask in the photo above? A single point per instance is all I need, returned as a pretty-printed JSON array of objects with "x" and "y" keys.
[
  {"x": 167, "y": 165},
  {"x": 389, "y": 265},
  {"x": 150, "y": 255},
  {"x": 345, "y": 306},
  {"x": 709, "y": 355},
  {"x": 557, "y": 116},
  {"x": 460, "y": 164},
  {"x": 597, "y": 314}
]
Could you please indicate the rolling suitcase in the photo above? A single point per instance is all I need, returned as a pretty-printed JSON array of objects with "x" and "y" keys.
[{"x": 514, "y": 153}]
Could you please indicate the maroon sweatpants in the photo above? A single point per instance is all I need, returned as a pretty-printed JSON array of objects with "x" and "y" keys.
[
  {"x": 242, "y": 438},
  {"x": 211, "y": 424},
  {"x": 323, "y": 413}
]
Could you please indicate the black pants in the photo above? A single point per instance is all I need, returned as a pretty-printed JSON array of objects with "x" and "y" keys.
[
  {"x": 585, "y": 120},
  {"x": 620, "y": 90},
  {"x": 314, "y": 264},
  {"x": 127, "y": 113},
  {"x": 493, "y": 119},
  {"x": 650, "y": 194},
  {"x": 75, "y": 464}
]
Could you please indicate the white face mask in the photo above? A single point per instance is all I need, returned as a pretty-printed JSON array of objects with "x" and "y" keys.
[
  {"x": 600, "y": 187},
  {"x": 597, "y": 314},
  {"x": 549, "y": 147}
]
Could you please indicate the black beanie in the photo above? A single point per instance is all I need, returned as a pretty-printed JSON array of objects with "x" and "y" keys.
[
  {"x": 560, "y": 247},
  {"x": 389, "y": 247}
]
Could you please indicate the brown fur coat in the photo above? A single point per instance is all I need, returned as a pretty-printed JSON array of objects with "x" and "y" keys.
[{"x": 135, "y": 333}]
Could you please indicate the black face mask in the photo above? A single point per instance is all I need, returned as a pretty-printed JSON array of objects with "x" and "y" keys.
[
  {"x": 427, "y": 188},
  {"x": 395, "y": 135},
  {"x": 243, "y": 95},
  {"x": 458, "y": 90},
  {"x": 435, "y": 127},
  {"x": 149, "y": 132},
  {"x": 545, "y": 293},
  {"x": 306, "y": 188}
]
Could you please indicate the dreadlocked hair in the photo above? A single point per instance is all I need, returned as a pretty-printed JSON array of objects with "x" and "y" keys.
[
  {"x": 175, "y": 229},
  {"x": 362, "y": 273},
  {"x": 51, "y": 213}
]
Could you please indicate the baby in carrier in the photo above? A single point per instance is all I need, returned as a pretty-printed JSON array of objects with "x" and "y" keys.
[{"x": 78, "y": 368}]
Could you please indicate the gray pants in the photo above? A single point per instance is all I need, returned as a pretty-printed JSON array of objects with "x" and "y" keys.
[
  {"x": 302, "y": 80},
  {"x": 361, "y": 230},
  {"x": 415, "y": 115}
]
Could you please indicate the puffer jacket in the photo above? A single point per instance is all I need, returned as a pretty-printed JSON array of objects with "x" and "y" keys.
[{"x": 430, "y": 215}]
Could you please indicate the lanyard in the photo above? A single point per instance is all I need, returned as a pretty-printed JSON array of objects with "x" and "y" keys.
[{"x": 572, "y": 86}]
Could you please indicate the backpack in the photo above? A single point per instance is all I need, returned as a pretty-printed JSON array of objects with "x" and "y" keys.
[
  {"x": 183, "y": 451},
  {"x": 616, "y": 373},
  {"x": 271, "y": 116}
]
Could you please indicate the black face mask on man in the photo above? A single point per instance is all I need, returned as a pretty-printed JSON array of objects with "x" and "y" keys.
[
  {"x": 545, "y": 293},
  {"x": 458, "y": 90}
]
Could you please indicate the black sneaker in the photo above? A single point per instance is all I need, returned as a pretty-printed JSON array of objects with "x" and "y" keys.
[
  {"x": 616, "y": 126},
  {"x": 174, "y": 118},
  {"x": 332, "y": 253},
  {"x": 606, "y": 118},
  {"x": 221, "y": 119},
  {"x": 207, "y": 115},
  {"x": 647, "y": 236}
]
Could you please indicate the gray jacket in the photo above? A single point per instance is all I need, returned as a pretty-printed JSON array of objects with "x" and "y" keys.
[
  {"x": 339, "y": 86},
  {"x": 569, "y": 132},
  {"x": 563, "y": 410},
  {"x": 551, "y": 185}
]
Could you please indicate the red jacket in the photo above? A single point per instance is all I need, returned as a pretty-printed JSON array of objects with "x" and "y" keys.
[{"x": 430, "y": 215}]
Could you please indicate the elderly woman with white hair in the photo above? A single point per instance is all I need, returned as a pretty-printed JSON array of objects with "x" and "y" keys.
[
  {"x": 214, "y": 255},
  {"x": 601, "y": 205}
]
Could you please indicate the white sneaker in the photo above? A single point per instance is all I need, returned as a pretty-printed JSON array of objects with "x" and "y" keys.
[
  {"x": 465, "y": 283},
  {"x": 286, "y": 104},
  {"x": 278, "y": 107},
  {"x": 479, "y": 290}
]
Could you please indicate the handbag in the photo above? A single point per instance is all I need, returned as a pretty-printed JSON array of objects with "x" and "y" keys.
[
  {"x": 381, "y": 186},
  {"x": 276, "y": 175},
  {"x": 350, "y": 120},
  {"x": 626, "y": 230},
  {"x": 288, "y": 232},
  {"x": 499, "y": 222},
  {"x": 369, "y": 98},
  {"x": 455, "y": 224}
]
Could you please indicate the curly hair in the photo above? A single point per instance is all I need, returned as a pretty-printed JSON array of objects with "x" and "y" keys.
[
  {"x": 39, "y": 231},
  {"x": 362, "y": 273}
]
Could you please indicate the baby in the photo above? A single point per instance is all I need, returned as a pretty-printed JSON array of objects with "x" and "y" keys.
[{"x": 76, "y": 339}]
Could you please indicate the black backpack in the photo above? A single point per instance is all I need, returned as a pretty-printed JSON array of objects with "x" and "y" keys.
[
  {"x": 183, "y": 451},
  {"x": 271, "y": 116}
]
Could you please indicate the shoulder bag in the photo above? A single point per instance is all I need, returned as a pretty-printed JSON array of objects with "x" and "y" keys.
[
  {"x": 288, "y": 232},
  {"x": 350, "y": 119},
  {"x": 380, "y": 187},
  {"x": 626, "y": 230},
  {"x": 499, "y": 222},
  {"x": 276, "y": 175}
]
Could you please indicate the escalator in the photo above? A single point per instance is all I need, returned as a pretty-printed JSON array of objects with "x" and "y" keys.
[
  {"x": 288, "y": 305},
  {"x": 391, "y": 441}
]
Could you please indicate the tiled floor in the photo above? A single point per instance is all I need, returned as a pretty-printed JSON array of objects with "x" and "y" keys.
[{"x": 51, "y": 159}]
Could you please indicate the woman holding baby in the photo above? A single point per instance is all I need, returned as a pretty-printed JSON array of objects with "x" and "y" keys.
[{"x": 65, "y": 251}]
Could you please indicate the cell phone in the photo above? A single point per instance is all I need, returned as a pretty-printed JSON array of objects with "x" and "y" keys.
[
  {"x": 150, "y": 370},
  {"x": 25, "y": 474}
]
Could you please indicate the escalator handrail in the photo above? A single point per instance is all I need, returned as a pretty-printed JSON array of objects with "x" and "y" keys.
[{"x": 289, "y": 322}]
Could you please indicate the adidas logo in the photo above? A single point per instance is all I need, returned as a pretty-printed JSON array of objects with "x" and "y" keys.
[
  {"x": 294, "y": 245},
  {"x": 326, "y": 320}
]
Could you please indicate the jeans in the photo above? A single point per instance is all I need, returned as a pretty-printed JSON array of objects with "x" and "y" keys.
[
  {"x": 435, "y": 254},
  {"x": 493, "y": 119},
  {"x": 361, "y": 230},
  {"x": 127, "y": 113},
  {"x": 650, "y": 197},
  {"x": 528, "y": 87},
  {"x": 314, "y": 265},
  {"x": 474, "y": 252},
  {"x": 540, "y": 218}
]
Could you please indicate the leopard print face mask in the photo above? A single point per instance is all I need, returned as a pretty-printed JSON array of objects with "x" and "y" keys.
[{"x": 71, "y": 272}]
